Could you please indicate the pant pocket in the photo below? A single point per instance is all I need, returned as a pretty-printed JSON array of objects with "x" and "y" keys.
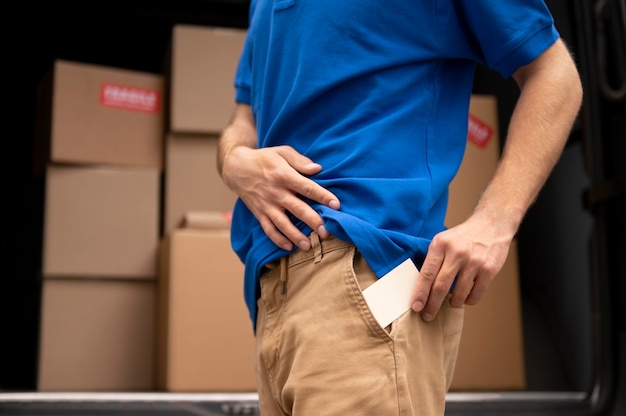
[{"x": 362, "y": 278}]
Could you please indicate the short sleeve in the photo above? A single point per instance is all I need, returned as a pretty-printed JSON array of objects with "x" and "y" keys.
[
  {"x": 509, "y": 34},
  {"x": 242, "y": 81}
]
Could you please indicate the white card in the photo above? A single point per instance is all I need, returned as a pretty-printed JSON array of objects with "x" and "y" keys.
[{"x": 390, "y": 296}]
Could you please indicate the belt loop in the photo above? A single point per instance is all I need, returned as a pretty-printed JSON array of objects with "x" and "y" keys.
[{"x": 316, "y": 244}]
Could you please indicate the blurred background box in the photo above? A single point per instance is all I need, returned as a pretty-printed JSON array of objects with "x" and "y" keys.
[
  {"x": 94, "y": 114},
  {"x": 101, "y": 222},
  {"x": 191, "y": 180},
  {"x": 206, "y": 340},
  {"x": 201, "y": 75},
  {"x": 97, "y": 335},
  {"x": 491, "y": 355}
]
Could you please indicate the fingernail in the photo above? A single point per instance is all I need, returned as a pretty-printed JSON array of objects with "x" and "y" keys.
[
  {"x": 427, "y": 317},
  {"x": 304, "y": 245},
  {"x": 334, "y": 204},
  {"x": 417, "y": 306},
  {"x": 321, "y": 230},
  {"x": 287, "y": 247}
]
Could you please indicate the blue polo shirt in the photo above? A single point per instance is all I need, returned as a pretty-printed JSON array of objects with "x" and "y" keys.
[{"x": 378, "y": 93}]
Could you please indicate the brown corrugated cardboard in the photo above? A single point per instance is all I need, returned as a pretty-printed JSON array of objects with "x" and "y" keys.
[
  {"x": 480, "y": 159},
  {"x": 101, "y": 222},
  {"x": 97, "y": 335},
  {"x": 491, "y": 355},
  {"x": 192, "y": 182},
  {"x": 206, "y": 342},
  {"x": 207, "y": 219},
  {"x": 92, "y": 114},
  {"x": 202, "y": 73}
]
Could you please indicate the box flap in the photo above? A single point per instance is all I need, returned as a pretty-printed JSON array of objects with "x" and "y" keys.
[{"x": 206, "y": 220}]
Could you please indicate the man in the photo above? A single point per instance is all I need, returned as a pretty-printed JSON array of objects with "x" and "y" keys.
[{"x": 351, "y": 121}]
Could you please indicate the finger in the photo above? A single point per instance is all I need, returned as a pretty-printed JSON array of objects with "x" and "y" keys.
[
  {"x": 305, "y": 186},
  {"x": 272, "y": 210},
  {"x": 308, "y": 215},
  {"x": 287, "y": 238},
  {"x": 439, "y": 269},
  {"x": 468, "y": 267},
  {"x": 284, "y": 226},
  {"x": 276, "y": 224},
  {"x": 463, "y": 285},
  {"x": 478, "y": 291},
  {"x": 439, "y": 291},
  {"x": 426, "y": 278},
  {"x": 298, "y": 161},
  {"x": 273, "y": 234},
  {"x": 483, "y": 279},
  {"x": 315, "y": 192}
]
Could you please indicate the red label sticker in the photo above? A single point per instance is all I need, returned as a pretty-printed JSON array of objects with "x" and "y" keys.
[
  {"x": 129, "y": 98},
  {"x": 227, "y": 215},
  {"x": 478, "y": 132}
]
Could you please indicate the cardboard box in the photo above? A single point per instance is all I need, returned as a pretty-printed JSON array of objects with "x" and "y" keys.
[
  {"x": 206, "y": 340},
  {"x": 203, "y": 64},
  {"x": 491, "y": 355},
  {"x": 101, "y": 222},
  {"x": 92, "y": 114},
  {"x": 480, "y": 160},
  {"x": 192, "y": 182},
  {"x": 97, "y": 335}
]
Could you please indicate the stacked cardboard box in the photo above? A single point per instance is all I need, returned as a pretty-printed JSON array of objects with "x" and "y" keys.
[
  {"x": 100, "y": 149},
  {"x": 491, "y": 355},
  {"x": 202, "y": 98},
  {"x": 126, "y": 162},
  {"x": 206, "y": 341}
]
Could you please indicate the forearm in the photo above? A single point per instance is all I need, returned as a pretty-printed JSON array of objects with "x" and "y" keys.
[
  {"x": 549, "y": 102},
  {"x": 240, "y": 132}
]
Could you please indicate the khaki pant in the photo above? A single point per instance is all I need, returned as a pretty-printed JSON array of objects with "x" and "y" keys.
[{"x": 320, "y": 352}]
